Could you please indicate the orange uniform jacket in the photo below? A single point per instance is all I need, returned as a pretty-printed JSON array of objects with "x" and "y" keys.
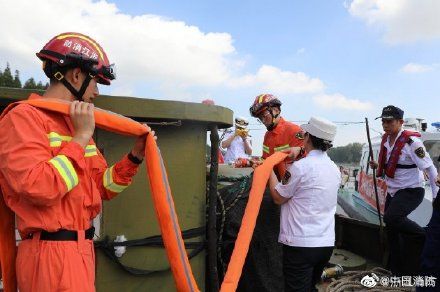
[
  {"x": 285, "y": 135},
  {"x": 52, "y": 183}
]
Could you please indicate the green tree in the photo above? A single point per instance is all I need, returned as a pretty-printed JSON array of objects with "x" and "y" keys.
[
  {"x": 30, "y": 84},
  {"x": 42, "y": 86},
  {"x": 350, "y": 153},
  {"x": 8, "y": 80},
  {"x": 17, "y": 82},
  {"x": 1, "y": 78}
]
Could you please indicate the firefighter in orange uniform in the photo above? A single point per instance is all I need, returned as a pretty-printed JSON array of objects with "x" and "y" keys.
[
  {"x": 53, "y": 176},
  {"x": 281, "y": 134}
]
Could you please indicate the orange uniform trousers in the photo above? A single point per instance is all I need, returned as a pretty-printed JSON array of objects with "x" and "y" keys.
[{"x": 56, "y": 265}]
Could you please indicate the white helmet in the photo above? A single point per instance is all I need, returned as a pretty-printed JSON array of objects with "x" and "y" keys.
[{"x": 241, "y": 122}]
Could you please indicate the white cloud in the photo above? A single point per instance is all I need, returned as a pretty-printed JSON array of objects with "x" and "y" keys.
[
  {"x": 401, "y": 20},
  {"x": 144, "y": 48},
  {"x": 169, "y": 57},
  {"x": 301, "y": 51},
  {"x": 339, "y": 101},
  {"x": 417, "y": 68},
  {"x": 272, "y": 79}
]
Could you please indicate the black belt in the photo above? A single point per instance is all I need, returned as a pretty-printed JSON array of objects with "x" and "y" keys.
[
  {"x": 64, "y": 235},
  {"x": 404, "y": 166}
]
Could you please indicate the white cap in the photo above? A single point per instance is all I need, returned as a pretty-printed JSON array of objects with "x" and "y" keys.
[{"x": 320, "y": 128}]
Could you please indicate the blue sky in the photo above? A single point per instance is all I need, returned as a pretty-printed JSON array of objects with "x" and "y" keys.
[{"x": 342, "y": 60}]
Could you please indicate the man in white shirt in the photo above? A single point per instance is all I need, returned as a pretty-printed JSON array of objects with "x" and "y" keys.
[
  {"x": 238, "y": 143},
  {"x": 308, "y": 198},
  {"x": 402, "y": 161}
]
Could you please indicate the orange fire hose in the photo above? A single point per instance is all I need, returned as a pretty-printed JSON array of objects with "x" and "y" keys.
[
  {"x": 241, "y": 248},
  {"x": 163, "y": 203},
  {"x": 160, "y": 190}
]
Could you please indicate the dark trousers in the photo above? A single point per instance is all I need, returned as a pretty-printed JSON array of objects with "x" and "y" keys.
[
  {"x": 431, "y": 252},
  {"x": 303, "y": 266},
  {"x": 399, "y": 227}
]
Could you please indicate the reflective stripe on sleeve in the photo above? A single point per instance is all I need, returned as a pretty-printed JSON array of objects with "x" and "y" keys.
[
  {"x": 266, "y": 149},
  {"x": 65, "y": 168},
  {"x": 90, "y": 151},
  {"x": 281, "y": 148},
  {"x": 108, "y": 182},
  {"x": 55, "y": 139}
]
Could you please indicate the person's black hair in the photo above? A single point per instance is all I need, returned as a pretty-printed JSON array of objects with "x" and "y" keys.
[{"x": 320, "y": 144}]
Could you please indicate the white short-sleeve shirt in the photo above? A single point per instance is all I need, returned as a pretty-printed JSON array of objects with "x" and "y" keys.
[
  {"x": 408, "y": 177},
  {"x": 237, "y": 148},
  {"x": 308, "y": 218}
]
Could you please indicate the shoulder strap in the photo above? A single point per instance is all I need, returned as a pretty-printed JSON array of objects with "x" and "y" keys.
[
  {"x": 397, "y": 151},
  {"x": 382, "y": 156}
]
